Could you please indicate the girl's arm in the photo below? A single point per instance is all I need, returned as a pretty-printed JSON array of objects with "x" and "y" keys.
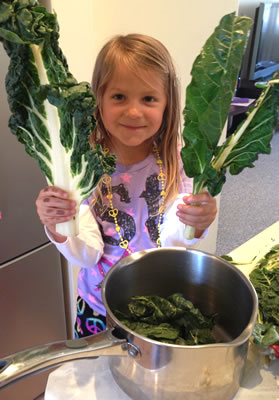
[
  {"x": 172, "y": 229},
  {"x": 53, "y": 207},
  {"x": 182, "y": 212},
  {"x": 86, "y": 249},
  {"x": 195, "y": 210},
  {"x": 198, "y": 210}
]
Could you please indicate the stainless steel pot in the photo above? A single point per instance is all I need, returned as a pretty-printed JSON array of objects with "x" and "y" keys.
[{"x": 148, "y": 369}]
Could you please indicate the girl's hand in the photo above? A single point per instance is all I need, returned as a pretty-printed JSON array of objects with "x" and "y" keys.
[
  {"x": 53, "y": 207},
  {"x": 198, "y": 210}
]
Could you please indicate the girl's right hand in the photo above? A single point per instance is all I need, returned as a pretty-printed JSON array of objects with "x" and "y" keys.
[{"x": 54, "y": 207}]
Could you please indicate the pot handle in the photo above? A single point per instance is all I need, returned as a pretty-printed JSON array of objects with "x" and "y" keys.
[{"x": 36, "y": 359}]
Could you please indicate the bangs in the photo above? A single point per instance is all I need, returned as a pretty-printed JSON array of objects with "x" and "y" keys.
[{"x": 135, "y": 56}]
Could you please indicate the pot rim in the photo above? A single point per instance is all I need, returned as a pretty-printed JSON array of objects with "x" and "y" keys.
[{"x": 240, "y": 339}]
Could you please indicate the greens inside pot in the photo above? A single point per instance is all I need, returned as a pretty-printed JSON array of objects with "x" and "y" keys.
[{"x": 172, "y": 320}]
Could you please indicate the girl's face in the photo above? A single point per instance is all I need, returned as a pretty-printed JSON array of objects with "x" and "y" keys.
[{"x": 133, "y": 108}]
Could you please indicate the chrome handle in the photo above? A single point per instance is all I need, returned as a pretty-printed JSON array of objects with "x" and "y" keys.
[{"x": 42, "y": 357}]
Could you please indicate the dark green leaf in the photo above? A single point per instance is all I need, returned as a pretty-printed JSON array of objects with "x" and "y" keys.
[
  {"x": 52, "y": 114},
  {"x": 265, "y": 278},
  {"x": 265, "y": 334},
  {"x": 208, "y": 96},
  {"x": 172, "y": 320},
  {"x": 256, "y": 138}
]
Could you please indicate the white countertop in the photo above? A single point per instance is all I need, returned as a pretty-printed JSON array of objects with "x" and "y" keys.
[
  {"x": 92, "y": 379},
  {"x": 257, "y": 247}
]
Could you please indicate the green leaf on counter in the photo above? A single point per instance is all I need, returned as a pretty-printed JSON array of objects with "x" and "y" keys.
[
  {"x": 265, "y": 279},
  {"x": 265, "y": 334}
]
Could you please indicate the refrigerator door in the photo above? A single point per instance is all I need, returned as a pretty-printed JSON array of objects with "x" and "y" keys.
[
  {"x": 21, "y": 180},
  {"x": 32, "y": 311}
]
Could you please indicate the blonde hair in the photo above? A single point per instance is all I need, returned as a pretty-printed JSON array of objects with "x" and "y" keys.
[{"x": 139, "y": 52}]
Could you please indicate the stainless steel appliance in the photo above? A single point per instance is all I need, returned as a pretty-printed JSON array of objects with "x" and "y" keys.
[{"x": 32, "y": 305}]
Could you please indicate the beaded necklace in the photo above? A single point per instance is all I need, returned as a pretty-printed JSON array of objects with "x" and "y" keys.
[{"x": 113, "y": 211}]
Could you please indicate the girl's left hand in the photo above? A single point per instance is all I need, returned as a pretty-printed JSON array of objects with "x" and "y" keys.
[{"x": 198, "y": 210}]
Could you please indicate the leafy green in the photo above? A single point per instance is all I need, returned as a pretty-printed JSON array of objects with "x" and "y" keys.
[
  {"x": 208, "y": 99},
  {"x": 265, "y": 334},
  {"x": 170, "y": 320},
  {"x": 265, "y": 279},
  {"x": 52, "y": 114},
  {"x": 209, "y": 95},
  {"x": 228, "y": 258},
  {"x": 251, "y": 137},
  {"x": 161, "y": 331}
]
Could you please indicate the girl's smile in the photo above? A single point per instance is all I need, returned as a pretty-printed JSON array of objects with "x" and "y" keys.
[
  {"x": 132, "y": 110},
  {"x": 132, "y": 127}
]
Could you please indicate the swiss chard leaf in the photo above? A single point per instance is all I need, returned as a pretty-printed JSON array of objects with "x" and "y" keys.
[
  {"x": 265, "y": 279},
  {"x": 169, "y": 320},
  {"x": 161, "y": 332},
  {"x": 208, "y": 99},
  {"x": 265, "y": 334},
  {"x": 191, "y": 313},
  {"x": 52, "y": 114},
  {"x": 209, "y": 95},
  {"x": 252, "y": 137},
  {"x": 153, "y": 309}
]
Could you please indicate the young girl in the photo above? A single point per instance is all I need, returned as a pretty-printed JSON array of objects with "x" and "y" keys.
[{"x": 138, "y": 119}]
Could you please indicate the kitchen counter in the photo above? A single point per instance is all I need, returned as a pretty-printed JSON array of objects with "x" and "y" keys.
[
  {"x": 256, "y": 247},
  {"x": 92, "y": 379}
]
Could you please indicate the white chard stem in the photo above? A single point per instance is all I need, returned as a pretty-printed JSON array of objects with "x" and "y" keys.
[
  {"x": 60, "y": 160},
  {"x": 221, "y": 158},
  {"x": 189, "y": 232}
]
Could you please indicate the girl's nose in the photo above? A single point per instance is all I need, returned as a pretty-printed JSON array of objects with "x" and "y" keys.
[{"x": 134, "y": 111}]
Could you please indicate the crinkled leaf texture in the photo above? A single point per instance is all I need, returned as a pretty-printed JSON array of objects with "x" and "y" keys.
[
  {"x": 252, "y": 137},
  {"x": 169, "y": 320},
  {"x": 257, "y": 136},
  {"x": 52, "y": 114},
  {"x": 209, "y": 95},
  {"x": 265, "y": 279}
]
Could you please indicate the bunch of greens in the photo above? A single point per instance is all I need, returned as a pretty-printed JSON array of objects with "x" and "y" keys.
[
  {"x": 172, "y": 320},
  {"x": 208, "y": 99},
  {"x": 265, "y": 279},
  {"x": 52, "y": 114}
]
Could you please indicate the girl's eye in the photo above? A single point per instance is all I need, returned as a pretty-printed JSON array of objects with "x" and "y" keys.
[
  {"x": 118, "y": 96},
  {"x": 149, "y": 99}
]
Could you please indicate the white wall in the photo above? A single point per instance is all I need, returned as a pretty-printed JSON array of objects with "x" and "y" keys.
[
  {"x": 183, "y": 26},
  {"x": 76, "y": 35}
]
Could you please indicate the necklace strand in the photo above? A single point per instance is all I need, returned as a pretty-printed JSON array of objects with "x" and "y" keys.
[{"x": 113, "y": 211}]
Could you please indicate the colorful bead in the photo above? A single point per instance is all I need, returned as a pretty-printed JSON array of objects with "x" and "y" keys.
[
  {"x": 113, "y": 213},
  {"x": 106, "y": 180},
  {"x": 124, "y": 244}
]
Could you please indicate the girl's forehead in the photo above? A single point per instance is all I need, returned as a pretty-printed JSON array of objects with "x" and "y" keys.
[{"x": 124, "y": 75}]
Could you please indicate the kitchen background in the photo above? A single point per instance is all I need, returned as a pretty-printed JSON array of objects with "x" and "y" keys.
[{"x": 37, "y": 293}]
